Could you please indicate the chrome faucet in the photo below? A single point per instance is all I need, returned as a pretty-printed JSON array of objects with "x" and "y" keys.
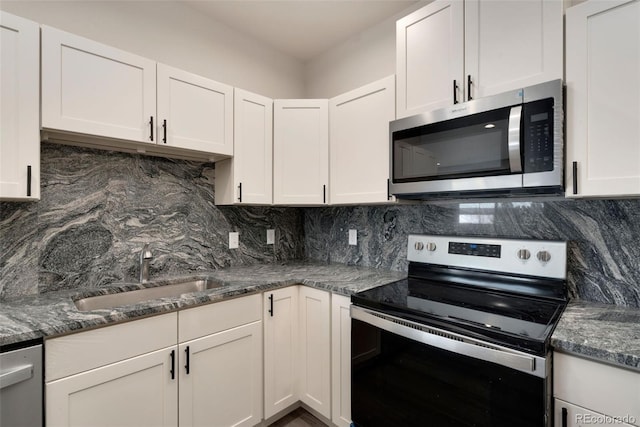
[{"x": 145, "y": 258}]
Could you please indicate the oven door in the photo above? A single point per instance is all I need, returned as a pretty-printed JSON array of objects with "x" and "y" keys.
[{"x": 406, "y": 374}]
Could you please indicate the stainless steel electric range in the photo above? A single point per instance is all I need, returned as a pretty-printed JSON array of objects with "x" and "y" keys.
[{"x": 464, "y": 340}]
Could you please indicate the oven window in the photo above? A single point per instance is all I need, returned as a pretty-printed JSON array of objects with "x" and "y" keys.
[
  {"x": 465, "y": 147},
  {"x": 400, "y": 382}
]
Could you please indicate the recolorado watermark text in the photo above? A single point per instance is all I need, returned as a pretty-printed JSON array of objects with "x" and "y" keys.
[{"x": 605, "y": 419}]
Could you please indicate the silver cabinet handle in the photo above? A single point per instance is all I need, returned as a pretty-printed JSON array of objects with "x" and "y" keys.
[
  {"x": 17, "y": 375},
  {"x": 515, "y": 161}
]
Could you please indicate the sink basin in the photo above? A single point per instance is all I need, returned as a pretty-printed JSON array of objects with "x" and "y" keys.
[{"x": 133, "y": 297}]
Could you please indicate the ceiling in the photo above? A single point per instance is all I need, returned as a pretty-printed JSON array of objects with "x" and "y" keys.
[{"x": 302, "y": 29}]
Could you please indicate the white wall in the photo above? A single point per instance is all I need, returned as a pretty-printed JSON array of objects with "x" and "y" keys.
[
  {"x": 177, "y": 35},
  {"x": 364, "y": 58}
]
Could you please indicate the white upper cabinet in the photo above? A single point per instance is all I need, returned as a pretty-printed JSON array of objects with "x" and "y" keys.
[
  {"x": 98, "y": 95},
  {"x": 300, "y": 151},
  {"x": 451, "y": 51},
  {"x": 429, "y": 55},
  {"x": 603, "y": 99},
  {"x": 511, "y": 44},
  {"x": 247, "y": 178},
  {"x": 359, "y": 143},
  {"x": 194, "y": 112},
  {"x": 19, "y": 109},
  {"x": 94, "y": 89}
]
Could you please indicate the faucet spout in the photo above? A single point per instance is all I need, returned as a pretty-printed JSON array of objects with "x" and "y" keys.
[{"x": 145, "y": 258}]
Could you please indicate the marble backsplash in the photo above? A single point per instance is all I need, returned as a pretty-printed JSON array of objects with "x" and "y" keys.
[
  {"x": 603, "y": 236},
  {"x": 99, "y": 208}
]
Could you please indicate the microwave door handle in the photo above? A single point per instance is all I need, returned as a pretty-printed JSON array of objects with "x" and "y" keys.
[{"x": 515, "y": 157}]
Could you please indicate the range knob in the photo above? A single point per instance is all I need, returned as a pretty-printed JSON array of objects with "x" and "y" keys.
[
  {"x": 419, "y": 246},
  {"x": 431, "y": 246},
  {"x": 524, "y": 254},
  {"x": 543, "y": 256}
]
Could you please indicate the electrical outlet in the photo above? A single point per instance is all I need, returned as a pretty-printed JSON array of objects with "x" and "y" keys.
[
  {"x": 271, "y": 237},
  {"x": 353, "y": 237},
  {"x": 234, "y": 240}
]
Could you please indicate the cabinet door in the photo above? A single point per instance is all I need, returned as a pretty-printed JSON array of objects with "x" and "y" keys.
[
  {"x": 510, "y": 44},
  {"x": 221, "y": 378},
  {"x": 280, "y": 349},
  {"x": 135, "y": 392},
  {"x": 315, "y": 349},
  {"x": 94, "y": 89},
  {"x": 429, "y": 57},
  {"x": 248, "y": 176},
  {"x": 359, "y": 143},
  {"x": 301, "y": 151},
  {"x": 569, "y": 415},
  {"x": 19, "y": 109},
  {"x": 603, "y": 98},
  {"x": 194, "y": 112},
  {"x": 341, "y": 360},
  {"x": 602, "y": 388}
]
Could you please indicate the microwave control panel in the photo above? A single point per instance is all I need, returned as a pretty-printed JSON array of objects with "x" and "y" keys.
[{"x": 538, "y": 136}]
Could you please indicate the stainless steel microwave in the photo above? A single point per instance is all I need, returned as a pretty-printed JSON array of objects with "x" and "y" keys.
[{"x": 506, "y": 144}]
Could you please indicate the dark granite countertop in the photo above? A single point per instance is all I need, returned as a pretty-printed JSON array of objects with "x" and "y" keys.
[
  {"x": 54, "y": 313},
  {"x": 606, "y": 333},
  {"x": 602, "y": 332}
]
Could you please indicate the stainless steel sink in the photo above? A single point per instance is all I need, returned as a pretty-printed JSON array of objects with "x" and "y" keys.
[{"x": 146, "y": 294}]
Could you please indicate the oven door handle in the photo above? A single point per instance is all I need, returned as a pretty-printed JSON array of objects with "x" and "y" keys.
[
  {"x": 514, "y": 140},
  {"x": 533, "y": 365}
]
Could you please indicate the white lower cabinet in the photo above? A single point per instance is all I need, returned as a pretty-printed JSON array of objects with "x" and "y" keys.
[
  {"x": 315, "y": 349},
  {"x": 569, "y": 415},
  {"x": 198, "y": 367},
  {"x": 280, "y": 349},
  {"x": 221, "y": 363},
  {"x": 340, "y": 360},
  {"x": 122, "y": 375},
  {"x": 135, "y": 392},
  {"x": 589, "y": 393},
  {"x": 222, "y": 385},
  {"x": 307, "y": 348}
]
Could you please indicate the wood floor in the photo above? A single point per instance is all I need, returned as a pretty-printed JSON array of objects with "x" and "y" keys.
[{"x": 298, "y": 418}]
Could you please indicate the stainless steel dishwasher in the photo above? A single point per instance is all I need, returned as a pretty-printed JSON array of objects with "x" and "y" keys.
[{"x": 21, "y": 387}]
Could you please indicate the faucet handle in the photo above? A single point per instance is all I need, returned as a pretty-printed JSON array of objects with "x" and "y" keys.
[{"x": 146, "y": 252}]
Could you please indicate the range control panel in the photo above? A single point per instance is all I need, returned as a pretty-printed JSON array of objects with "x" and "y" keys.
[
  {"x": 543, "y": 258},
  {"x": 475, "y": 249}
]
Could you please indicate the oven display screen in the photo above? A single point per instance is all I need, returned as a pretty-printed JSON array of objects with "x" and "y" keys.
[{"x": 474, "y": 249}]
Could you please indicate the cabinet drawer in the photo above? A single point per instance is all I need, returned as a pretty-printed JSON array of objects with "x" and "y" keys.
[
  {"x": 210, "y": 319},
  {"x": 75, "y": 353},
  {"x": 601, "y": 388}
]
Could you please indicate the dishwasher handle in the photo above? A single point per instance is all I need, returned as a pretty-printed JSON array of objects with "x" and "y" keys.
[{"x": 15, "y": 376}]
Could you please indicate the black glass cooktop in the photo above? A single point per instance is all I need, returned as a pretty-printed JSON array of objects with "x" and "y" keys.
[{"x": 517, "y": 312}]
